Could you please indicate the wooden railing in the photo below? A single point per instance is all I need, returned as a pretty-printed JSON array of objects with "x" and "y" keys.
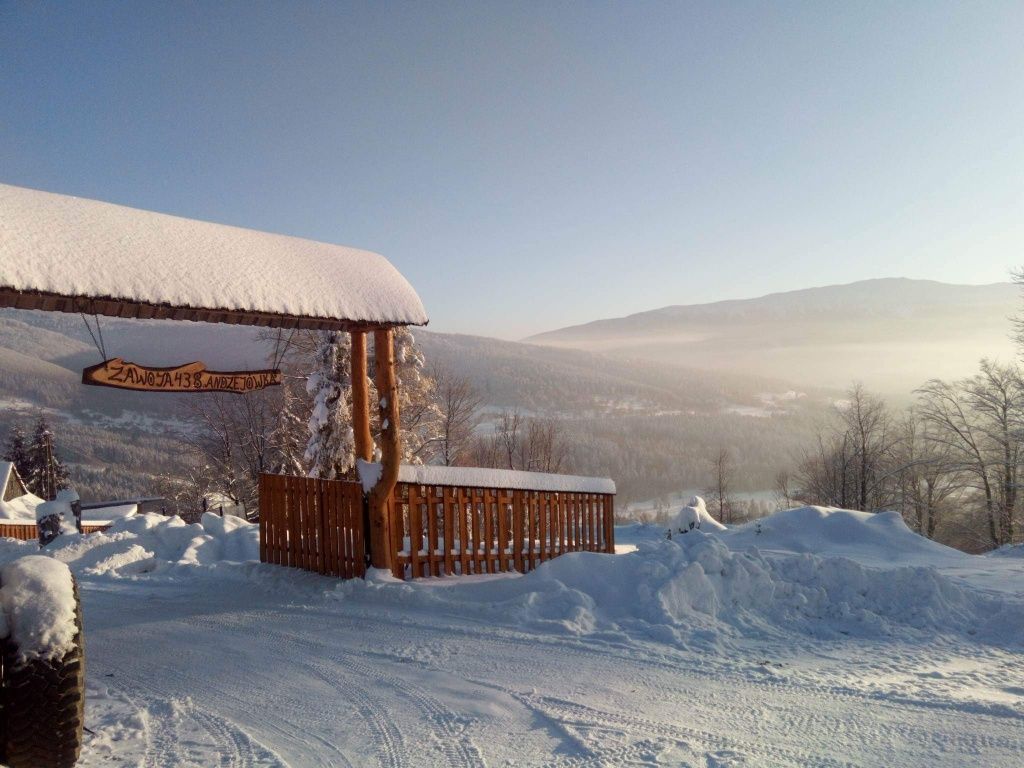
[
  {"x": 434, "y": 529},
  {"x": 446, "y": 530},
  {"x": 29, "y": 532}
]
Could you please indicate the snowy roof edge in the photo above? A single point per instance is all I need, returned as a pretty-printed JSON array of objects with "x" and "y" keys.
[
  {"x": 58, "y": 252},
  {"x": 480, "y": 477}
]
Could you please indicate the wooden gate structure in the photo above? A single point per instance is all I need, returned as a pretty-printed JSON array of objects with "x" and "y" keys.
[
  {"x": 69, "y": 254},
  {"x": 448, "y": 522}
]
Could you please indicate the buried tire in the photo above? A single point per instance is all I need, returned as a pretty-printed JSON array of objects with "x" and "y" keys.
[{"x": 43, "y": 704}]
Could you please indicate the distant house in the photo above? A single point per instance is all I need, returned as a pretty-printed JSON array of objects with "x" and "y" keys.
[
  {"x": 10, "y": 481},
  {"x": 17, "y": 504}
]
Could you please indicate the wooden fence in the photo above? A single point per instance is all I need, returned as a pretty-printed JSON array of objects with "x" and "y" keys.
[
  {"x": 435, "y": 530},
  {"x": 446, "y": 530},
  {"x": 28, "y": 531},
  {"x": 312, "y": 524}
]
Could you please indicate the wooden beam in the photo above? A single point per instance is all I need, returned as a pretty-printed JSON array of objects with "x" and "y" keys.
[
  {"x": 128, "y": 308},
  {"x": 391, "y": 449},
  {"x": 360, "y": 397}
]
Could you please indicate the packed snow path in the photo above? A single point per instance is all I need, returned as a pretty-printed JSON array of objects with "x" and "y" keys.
[
  {"x": 204, "y": 672},
  {"x": 811, "y": 638}
]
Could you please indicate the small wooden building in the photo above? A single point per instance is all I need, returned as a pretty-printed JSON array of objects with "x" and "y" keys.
[{"x": 11, "y": 484}]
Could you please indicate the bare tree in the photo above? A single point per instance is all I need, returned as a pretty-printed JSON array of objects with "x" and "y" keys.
[
  {"x": 720, "y": 490},
  {"x": 784, "y": 491},
  {"x": 459, "y": 405},
  {"x": 867, "y": 422},
  {"x": 977, "y": 420},
  {"x": 927, "y": 476},
  {"x": 825, "y": 475},
  {"x": 545, "y": 448},
  {"x": 234, "y": 442},
  {"x": 506, "y": 434},
  {"x": 484, "y": 451}
]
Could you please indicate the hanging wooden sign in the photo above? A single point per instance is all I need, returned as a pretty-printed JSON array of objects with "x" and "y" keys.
[{"x": 191, "y": 377}]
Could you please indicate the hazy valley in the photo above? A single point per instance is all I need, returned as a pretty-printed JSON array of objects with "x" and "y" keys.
[
  {"x": 647, "y": 399},
  {"x": 891, "y": 333}
]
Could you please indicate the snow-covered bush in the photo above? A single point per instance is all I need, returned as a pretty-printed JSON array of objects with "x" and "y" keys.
[{"x": 694, "y": 516}]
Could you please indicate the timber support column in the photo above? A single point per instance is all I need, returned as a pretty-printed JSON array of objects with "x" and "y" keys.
[
  {"x": 360, "y": 398},
  {"x": 390, "y": 446}
]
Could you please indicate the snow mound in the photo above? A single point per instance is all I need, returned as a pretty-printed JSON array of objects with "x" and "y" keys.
[
  {"x": 694, "y": 516},
  {"x": 148, "y": 543},
  {"x": 37, "y": 607},
  {"x": 695, "y": 592},
  {"x": 881, "y": 538},
  {"x": 1008, "y": 550}
]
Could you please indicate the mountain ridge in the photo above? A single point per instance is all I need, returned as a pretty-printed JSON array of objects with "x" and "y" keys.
[
  {"x": 824, "y": 293},
  {"x": 890, "y": 333}
]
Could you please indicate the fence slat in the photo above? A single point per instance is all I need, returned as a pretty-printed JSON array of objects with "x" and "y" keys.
[
  {"x": 415, "y": 531},
  {"x": 355, "y": 506},
  {"x": 488, "y": 531},
  {"x": 268, "y": 507},
  {"x": 331, "y": 530},
  {"x": 502, "y": 543},
  {"x": 432, "y": 543},
  {"x": 518, "y": 540},
  {"x": 448, "y": 510}
]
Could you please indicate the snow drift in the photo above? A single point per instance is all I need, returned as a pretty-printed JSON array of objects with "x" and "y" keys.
[
  {"x": 149, "y": 543},
  {"x": 706, "y": 590},
  {"x": 877, "y": 538}
]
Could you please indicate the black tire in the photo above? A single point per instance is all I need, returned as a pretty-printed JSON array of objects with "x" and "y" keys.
[{"x": 44, "y": 706}]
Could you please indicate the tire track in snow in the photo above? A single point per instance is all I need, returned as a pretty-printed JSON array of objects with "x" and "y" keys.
[
  {"x": 388, "y": 737},
  {"x": 454, "y": 739},
  {"x": 449, "y": 729},
  {"x": 171, "y": 724},
  {"x": 574, "y": 713}
]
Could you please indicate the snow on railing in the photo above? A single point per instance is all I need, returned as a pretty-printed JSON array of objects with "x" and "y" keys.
[
  {"x": 465, "y": 520},
  {"x": 480, "y": 477}
]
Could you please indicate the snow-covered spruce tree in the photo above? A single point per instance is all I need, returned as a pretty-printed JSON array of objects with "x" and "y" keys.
[
  {"x": 330, "y": 452},
  {"x": 417, "y": 401},
  {"x": 46, "y": 474},
  {"x": 291, "y": 432},
  {"x": 17, "y": 451}
]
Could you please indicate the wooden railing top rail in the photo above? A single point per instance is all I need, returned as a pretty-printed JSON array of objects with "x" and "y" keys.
[{"x": 479, "y": 477}]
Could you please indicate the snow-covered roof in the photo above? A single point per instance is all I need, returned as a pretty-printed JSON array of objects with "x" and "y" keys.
[
  {"x": 106, "y": 514},
  {"x": 57, "y": 250},
  {"x": 478, "y": 477}
]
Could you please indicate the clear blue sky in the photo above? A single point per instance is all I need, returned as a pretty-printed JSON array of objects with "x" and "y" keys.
[{"x": 532, "y": 165}]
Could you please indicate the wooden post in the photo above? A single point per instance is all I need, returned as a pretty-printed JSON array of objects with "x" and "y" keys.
[
  {"x": 360, "y": 398},
  {"x": 390, "y": 445}
]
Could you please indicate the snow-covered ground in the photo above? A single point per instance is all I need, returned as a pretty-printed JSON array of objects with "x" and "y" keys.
[{"x": 811, "y": 638}]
